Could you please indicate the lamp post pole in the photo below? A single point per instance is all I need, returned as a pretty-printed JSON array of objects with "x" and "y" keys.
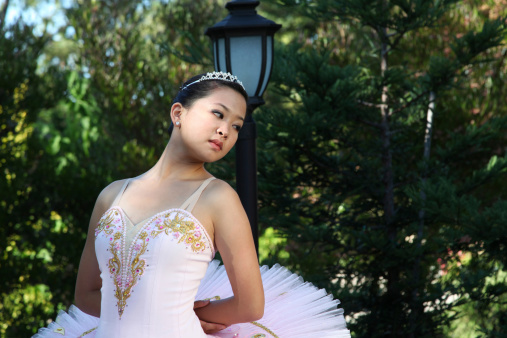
[
  {"x": 246, "y": 171},
  {"x": 243, "y": 46}
]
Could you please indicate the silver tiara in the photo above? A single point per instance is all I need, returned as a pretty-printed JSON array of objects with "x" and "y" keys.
[{"x": 224, "y": 76}]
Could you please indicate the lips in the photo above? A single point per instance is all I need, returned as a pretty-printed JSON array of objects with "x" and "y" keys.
[{"x": 217, "y": 144}]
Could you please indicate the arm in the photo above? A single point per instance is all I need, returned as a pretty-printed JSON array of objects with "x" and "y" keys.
[
  {"x": 208, "y": 328},
  {"x": 233, "y": 238},
  {"x": 88, "y": 283}
]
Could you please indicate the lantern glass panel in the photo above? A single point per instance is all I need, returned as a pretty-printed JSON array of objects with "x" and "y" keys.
[
  {"x": 246, "y": 61},
  {"x": 220, "y": 57},
  {"x": 269, "y": 62}
]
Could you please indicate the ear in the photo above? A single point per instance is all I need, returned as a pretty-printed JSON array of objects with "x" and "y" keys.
[{"x": 176, "y": 112}]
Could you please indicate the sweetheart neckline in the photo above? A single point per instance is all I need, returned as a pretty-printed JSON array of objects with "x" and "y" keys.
[{"x": 151, "y": 218}]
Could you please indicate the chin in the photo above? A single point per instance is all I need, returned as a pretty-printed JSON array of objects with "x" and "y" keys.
[
  {"x": 213, "y": 160},
  {"x": 216, "y": 157}
]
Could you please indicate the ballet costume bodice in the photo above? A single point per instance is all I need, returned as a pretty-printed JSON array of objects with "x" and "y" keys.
[{"x": 151, "y": 271}]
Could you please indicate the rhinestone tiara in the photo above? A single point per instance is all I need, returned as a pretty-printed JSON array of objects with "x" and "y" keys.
[{"x": 224, "y": 76}]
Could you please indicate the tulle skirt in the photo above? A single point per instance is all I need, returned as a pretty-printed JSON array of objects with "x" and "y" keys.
[{"x": 294, "y": 309}]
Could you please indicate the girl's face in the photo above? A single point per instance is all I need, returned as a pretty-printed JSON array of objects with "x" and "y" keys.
[{"x": 209, "y": 128}]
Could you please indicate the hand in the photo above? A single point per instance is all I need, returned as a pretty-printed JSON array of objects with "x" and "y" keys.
[{"x": 208, "y": 327}]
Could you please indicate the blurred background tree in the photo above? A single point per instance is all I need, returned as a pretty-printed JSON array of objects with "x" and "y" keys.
[
  {"x": 412, "y": 248},
  {"x": 80, "y": 108},
  {"x": 391, "y": 194}
]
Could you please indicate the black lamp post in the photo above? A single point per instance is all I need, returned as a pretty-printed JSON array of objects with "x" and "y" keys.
[{"x": 243, "y": 46}]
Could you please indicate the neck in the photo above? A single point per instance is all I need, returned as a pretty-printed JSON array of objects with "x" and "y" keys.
[{"x": 175, "y": 165}]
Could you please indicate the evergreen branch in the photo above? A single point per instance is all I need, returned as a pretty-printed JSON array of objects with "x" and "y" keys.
[
  {"x": 369, "y": 104},
  {"x": 306, "y": 151},
  {"x": 495, "y": 167},
  {"x": 369, "y": 123},
  {"x": 411, "y": 102},
  {"x": 397, "y": 40},
  {"x": 498, "y": 68}
]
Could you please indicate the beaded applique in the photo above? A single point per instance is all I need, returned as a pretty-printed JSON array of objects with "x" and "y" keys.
[
  {"x": 107, "y": 222},
  {"x": 185, "y": 231},
  {"x": 127, "y": 267},
  {"x": 125, "y": 279},
  {"x": 87, "y": 332},
  {"x": 265, "y": 329}
]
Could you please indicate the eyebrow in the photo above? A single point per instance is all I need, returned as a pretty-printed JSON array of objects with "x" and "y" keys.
[
  {"x": 228, "y": 110},
  {"x": 223, "y": 106}
]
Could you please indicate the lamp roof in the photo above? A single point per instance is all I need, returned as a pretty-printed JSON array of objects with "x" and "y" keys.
[{"x": 242, "y": 19}]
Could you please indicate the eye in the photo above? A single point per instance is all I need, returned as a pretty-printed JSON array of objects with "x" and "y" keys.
[
  {"x": 237, "y": 127},
  {"x": 218, "y": 114}
]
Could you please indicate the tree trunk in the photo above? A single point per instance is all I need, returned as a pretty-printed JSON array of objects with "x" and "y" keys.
[
  {"x": 417, "y": 308},
  {"x": 3, "y": 13},
  {"x": 388, "y": 199}
]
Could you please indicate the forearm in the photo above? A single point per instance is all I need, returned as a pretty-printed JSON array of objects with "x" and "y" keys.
[
  {"x": 231, "y": 311},
  {"x": 89, "y": 302}
]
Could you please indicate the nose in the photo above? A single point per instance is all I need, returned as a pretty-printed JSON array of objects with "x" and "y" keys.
[{"x": 223, "y": 131}]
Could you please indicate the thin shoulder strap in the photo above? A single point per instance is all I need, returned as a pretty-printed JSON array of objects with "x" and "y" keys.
[
  {"x": 189, "y": 204},
  {"x": 120, "y": 194}
]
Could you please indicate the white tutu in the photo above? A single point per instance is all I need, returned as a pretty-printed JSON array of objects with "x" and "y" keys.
[
  {"x": 75, "y": 324},
  {"x": 294, "y": 309}
]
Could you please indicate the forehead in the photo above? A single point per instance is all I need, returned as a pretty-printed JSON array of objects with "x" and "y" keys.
[
  {"x": 223, "y": 90},
  {"x": 228, "y": 98}
]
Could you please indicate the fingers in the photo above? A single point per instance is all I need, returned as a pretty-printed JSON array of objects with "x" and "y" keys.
[
  {"x": 212, "y": 327},
  {"x": 200, "y": 303}
]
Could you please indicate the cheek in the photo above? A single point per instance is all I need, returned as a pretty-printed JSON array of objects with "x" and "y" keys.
[
  {"x": 233, "y": 135},
  {"x": 232, "y": 142}
]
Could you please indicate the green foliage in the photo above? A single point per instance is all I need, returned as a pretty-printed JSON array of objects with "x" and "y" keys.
[
  {"x": 77, "y": 112},
  {"x": 364, "y": 213},
  {"x": 24, "y": 299},
  {"x": 271, "y": 243},
  {"x": 90, "y": 105}
]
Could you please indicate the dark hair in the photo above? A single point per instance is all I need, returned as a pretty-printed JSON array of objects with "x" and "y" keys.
[{"x": 189, "y": 94}]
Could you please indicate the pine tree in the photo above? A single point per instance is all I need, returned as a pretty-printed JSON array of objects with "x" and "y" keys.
[{"x": 379, "y": 201}]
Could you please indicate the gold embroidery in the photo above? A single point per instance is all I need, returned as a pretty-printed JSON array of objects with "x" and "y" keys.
[
  {"x": 265, "y": 329},
  {"x": 115, "y": 263},
  {"x": 125, "y": 268},
  {"x": 60, "y": 330},
  {"x": 106, "y": 223},
  {"x": 87, "y": 332},
  {"x": 213, "y": 298},
  {"x": 125, "y": 283},
  {"x": 258, "y": 335},
  {"x": 115, "y": 269},
  {"x": 184, "y": 230}
]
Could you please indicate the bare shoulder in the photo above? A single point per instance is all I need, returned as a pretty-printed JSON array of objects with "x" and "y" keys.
[
  {"x": 220, "y": 193},
  {"x": 109, "y": 193},
  {"x": 105, "y": 200},
  {"x": 223, "y": 204}
]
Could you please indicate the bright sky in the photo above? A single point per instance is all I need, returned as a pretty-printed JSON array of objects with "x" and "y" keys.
[{"x": 44, "y": 9}]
